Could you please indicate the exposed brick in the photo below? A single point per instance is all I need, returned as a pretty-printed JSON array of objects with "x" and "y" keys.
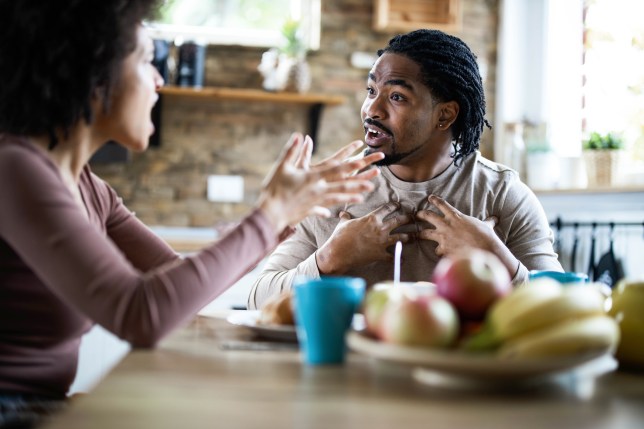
[{"x": 167, "y": 185}]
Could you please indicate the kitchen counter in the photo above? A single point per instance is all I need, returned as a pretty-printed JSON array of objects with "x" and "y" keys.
[
  {"x": 199, "y": 378},
  {"x": 186, "y": 239}
]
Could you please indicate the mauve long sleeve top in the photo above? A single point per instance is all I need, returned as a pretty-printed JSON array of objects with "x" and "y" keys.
[{"x": 62, "y": 270}]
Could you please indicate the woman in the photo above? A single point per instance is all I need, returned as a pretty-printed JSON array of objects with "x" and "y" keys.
[{"x": 76, "y": 75}]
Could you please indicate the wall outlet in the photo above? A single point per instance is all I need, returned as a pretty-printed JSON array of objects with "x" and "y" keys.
[{"x": 226, "y": 189}]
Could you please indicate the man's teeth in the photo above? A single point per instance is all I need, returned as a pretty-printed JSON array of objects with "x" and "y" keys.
[{"x": 373, "y": 131}]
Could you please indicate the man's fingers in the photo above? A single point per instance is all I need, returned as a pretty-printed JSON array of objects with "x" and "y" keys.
[
  {"x": 394, "y": 238},
  {"x": 344, "y": 215},
  {"x": 491, "y": 221},
  {"x": 397, "y": 220},
  {"x": 430, "y": 217},
  {"x": 442, "y": 205},
  {"x": 385, "y": 210}
]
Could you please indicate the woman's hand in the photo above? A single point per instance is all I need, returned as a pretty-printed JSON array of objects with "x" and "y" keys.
[{"x": 294, "y": 189}]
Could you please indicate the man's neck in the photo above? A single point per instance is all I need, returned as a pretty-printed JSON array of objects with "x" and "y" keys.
[{"x": 424, "y": 168}]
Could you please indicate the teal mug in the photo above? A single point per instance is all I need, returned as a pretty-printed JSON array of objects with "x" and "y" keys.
[
  {"x": 324, "y": 310},
  {"x": 561, "y": 277}
]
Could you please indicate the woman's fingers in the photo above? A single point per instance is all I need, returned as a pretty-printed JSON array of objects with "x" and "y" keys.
[
  {"x": 292, "y": 150},
  {"x": 303, "y": 160},
  {"x": 341, "y": 171},
  {"x": 341, "y": 154}
]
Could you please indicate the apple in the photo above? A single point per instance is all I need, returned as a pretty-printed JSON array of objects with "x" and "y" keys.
[
  {"x": 374, "y": 305},
  {"x": 379, "y": 295},
  {"x": 415, "y": 319},
  {"x": 472, "y": 280}
]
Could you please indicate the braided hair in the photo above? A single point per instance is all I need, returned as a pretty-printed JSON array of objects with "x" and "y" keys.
[
  {"x": 55, "y": 55},
  {"x": 450, "y": 71}
]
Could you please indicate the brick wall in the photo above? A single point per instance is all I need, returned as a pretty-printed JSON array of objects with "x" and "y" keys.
[{"x": 167, "y": 185}]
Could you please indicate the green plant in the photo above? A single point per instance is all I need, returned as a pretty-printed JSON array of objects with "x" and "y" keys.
[
  {"x": 294, "y": 47},
  {"x": 598, "y": 141}
]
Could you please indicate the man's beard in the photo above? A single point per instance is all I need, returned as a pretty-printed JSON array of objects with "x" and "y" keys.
[{"x": 394, "y": 158}]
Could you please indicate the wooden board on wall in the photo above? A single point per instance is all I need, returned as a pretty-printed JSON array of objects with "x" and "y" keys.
[{"x": 408, "y": 15}]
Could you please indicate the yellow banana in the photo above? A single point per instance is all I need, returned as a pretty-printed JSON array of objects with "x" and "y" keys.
[
  {"x": 539, "y": 305},
  {"x": 575, "y": 336}
]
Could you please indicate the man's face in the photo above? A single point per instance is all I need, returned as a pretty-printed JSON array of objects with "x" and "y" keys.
[{"x": 399, "y": 113}]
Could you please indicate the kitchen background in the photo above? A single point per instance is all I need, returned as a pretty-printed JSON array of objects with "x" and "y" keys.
[
  {"x": 167, "y": 186},
  {"x": 199, "y": 137}
]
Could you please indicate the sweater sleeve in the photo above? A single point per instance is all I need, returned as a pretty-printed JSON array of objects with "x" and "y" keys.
[
  {"x": 295, "y": 256},
  {"x": 526, "y": 231},
  {"x": 89, "y": 271}
]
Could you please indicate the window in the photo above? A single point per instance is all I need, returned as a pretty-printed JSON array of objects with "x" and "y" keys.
[
  {"x": 614, "y": 71},
  {"x": 572, "y": 67},
  {"x": 237, "y": 22}
]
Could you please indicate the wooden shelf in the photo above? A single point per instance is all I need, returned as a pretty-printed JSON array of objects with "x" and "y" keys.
[
  {"x": 620, "y": 189},
  {"x": 315, "y": 101},
  {"x": 408, "y": 15},
  {"x": 253, "y": 95}
]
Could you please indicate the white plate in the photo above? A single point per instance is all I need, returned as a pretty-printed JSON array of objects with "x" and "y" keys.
[
  {"x": 249, "y": 320},
  {"x": 466, "y": 365}
]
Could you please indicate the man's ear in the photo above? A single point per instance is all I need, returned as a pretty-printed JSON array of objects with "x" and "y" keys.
[{"x": 448, "y": 112}]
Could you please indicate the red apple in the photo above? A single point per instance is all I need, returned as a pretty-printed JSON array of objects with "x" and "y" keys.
[
  {"x": 472, "y": 281},
  {"x": 378, "y": 297},
  {"x": 418, "y": 320}
]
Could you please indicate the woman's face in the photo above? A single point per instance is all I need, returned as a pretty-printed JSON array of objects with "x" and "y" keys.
[{"x": 129, "y": 119}]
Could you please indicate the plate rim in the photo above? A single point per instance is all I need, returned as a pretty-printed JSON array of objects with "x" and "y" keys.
[
  {"x": 460, "y": 364},
  {"x": 248, "y": 319}
]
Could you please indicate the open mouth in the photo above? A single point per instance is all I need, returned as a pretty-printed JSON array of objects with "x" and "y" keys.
[{"x": 375, "y": 137}]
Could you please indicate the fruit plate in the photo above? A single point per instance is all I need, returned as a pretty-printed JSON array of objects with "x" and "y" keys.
[
  {"x": 474, "y": 367},
  {"x": 249, "y": 319}
]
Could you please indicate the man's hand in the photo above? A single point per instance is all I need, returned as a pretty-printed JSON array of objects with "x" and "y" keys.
[
  {"x": 361, "y": 241},
  {"x": 454, "y": 231}
]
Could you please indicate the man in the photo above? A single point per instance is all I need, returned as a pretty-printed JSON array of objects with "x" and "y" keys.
[{"x": 425, "y": 110}]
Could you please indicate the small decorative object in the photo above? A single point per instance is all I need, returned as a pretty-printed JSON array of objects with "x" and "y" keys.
[
  {"x": 192, "y": 60},
  {"x": 286, "y": 69},
  {"x": 542, "y": 163},
  {"x": 268, "y": 69},
  {"x": 514, "y": 148},
  {"x": 602, "y": 155}
]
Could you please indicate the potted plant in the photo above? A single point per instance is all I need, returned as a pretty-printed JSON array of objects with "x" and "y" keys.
[
  {"x": 602, "y": 155},
  {"x": 293, "y": 73}
]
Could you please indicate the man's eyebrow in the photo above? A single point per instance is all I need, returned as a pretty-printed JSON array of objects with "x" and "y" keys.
[{"x": 393, "y": 82}]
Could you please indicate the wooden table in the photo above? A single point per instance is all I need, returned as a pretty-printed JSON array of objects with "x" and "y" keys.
[{"x": 194, "y": 380}]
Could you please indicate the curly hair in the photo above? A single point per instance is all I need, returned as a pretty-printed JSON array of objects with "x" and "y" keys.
[
  {"x": 55, "y": 55},
  {"x": 450, "y": 71}
]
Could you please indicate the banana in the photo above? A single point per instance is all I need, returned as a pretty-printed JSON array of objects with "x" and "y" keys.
[
  {"x": 541, "y": 304},
  {"x": 575, "y": 336}
]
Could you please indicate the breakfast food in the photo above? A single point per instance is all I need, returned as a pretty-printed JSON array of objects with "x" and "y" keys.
[
  {"x": 278, "y": 310},
  {"x": 545, "y": 319},
  {"x": 410, "y": 314}
]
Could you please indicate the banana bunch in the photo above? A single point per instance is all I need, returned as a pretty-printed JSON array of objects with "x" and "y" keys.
[{"x": 545, "y": 319}]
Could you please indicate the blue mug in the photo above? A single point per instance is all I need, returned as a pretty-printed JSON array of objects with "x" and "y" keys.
[
  {"x": 324, "y": 309},
  {"x": 561, "y": 277}
]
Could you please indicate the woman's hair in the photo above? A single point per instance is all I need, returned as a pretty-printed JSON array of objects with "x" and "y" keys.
[
  {"x": 55, "y": 55},
  {"x": 450, "y": 71}
]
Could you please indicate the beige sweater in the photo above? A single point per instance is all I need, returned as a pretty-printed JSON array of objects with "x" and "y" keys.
[{"x": 479, "y": 188}]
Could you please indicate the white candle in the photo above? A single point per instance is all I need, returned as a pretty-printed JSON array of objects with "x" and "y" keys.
[{"x": 397, "y": 253}]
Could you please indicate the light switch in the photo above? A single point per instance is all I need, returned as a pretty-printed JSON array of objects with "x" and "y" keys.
[{"x": 228, "y": 189}]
